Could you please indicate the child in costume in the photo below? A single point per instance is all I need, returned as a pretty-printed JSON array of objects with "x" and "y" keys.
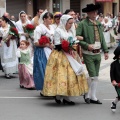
[
  {"x": 115, "y": 76},
  {"x": 25, "y": 66}
]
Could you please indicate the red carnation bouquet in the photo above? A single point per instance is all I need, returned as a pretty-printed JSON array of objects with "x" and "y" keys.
[
  {"x": 44, "y": 40},
  {"x": 13, "y": 33},
  {"x": 67, "y": 46},
  {"x": 29, "y": 28}
]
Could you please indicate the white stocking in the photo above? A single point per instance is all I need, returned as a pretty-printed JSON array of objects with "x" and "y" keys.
[
  {"x": 93, "y": 88},
  {"x": 116, "y": 101},
  {"x": 87, "y": 95}
]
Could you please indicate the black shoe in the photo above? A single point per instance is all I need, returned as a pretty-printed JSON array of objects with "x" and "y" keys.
[
  {"x": 95, "y": 101},
  {"x": 7, "y": 76},
  {"x": 57, "y": 101},
  {"x": 87, "y": 100},
  {"x": 113, "y": 107},
  {"x": 21, "y": 86},
  {"x": 32, "y": 88},
  {"x": 41, "y": 94},
  {"x": 68, "y": 102}
]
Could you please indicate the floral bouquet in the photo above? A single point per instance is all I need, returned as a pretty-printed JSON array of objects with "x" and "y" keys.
[
  {"x": 44, "y": 40},
  {"x": 13, "y": 33},
  {"x": 67, "y": 45},
  {"x": 29, "y": 28}
]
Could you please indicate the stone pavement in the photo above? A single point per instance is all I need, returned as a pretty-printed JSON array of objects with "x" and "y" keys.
[{"x": 22, "y": 104}]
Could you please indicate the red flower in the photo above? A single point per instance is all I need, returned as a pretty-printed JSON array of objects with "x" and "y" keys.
[
  {"x": 14, "y": 30},
  {"x": 44, "y": 40},
  {"x": 29, "y": 27},
  {"x": 65, "y": 45}
]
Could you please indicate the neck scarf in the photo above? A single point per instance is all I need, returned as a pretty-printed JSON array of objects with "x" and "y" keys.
[{"x": 96, "y": 32}]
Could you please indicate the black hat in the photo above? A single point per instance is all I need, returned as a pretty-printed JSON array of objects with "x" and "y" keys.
[
  {"x": 117, "y": 53},
  {"x": 91, "y": 7}
]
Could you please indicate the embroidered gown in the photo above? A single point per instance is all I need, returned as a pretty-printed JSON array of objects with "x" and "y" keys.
[{"x": 60, "y": 78}]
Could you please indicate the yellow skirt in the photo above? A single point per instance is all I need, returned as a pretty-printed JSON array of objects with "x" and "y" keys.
[{"x": 60, "y": 78}]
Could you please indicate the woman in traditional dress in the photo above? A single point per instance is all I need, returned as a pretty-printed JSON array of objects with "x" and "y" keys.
[
  {"x": 23, "y": 21},
  {"x": 56, "y": 19},
  {"x": 21, "y": 24},
  {"x": 64, "y": 74},
  {"x": 9, "y": 59},
  {"x": 107, "y": 26},
  {"x": 42, "y": 52},
  {"x": 25, "y": 67}
]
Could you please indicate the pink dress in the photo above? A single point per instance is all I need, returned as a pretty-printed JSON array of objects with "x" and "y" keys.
[{"x": 25, "y": 69}]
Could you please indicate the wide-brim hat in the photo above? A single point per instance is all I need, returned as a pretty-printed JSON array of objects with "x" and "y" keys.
[
  {"x": 91, "y": 7},
  {"x": 116, "y": 53}
]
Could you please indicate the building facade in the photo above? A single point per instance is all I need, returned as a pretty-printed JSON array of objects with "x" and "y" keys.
[
  {"x": 31, "y": 6},
  {"x": 109, "y": 6},
  {"x": 2, "y": 7}
]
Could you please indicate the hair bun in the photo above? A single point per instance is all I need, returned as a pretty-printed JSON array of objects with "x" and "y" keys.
[{"x": 5, "y": 18}]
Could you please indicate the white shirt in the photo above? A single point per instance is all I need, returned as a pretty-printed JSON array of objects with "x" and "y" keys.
[{"x": 43, "y": 30}]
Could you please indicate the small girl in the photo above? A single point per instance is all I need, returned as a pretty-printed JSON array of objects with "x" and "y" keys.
[
  {"x": 115, "y": 76},
  {"x": 25, "y": 66}
]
